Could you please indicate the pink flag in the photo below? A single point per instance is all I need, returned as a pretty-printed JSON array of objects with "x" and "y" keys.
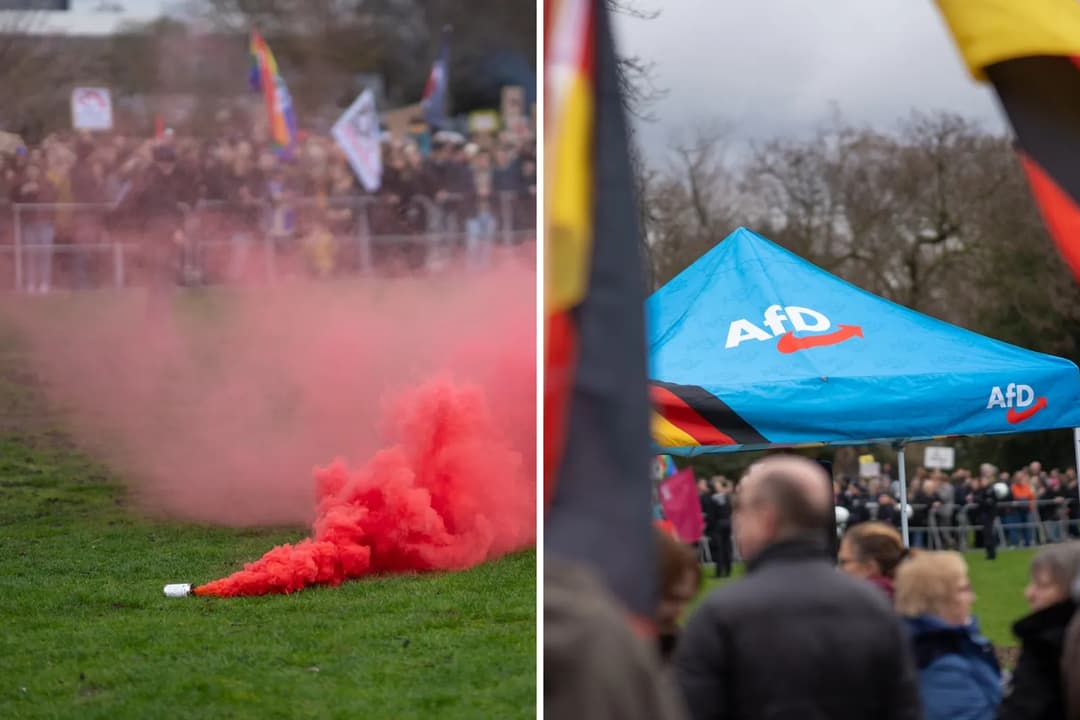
[{"x": 679, "y": 499}]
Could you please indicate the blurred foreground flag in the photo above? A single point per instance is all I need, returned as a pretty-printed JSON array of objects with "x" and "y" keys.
[
  {"x": 264, "y": 76},
  {"x": 433, "y": 101},
  {"x": 1030, "y": 51},
  {"x": 597, "y": 484},
  {"x": 682, "y": 506}
]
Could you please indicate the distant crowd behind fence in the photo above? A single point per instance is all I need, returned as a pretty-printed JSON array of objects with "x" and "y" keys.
[
  {"x": 226, "y": 242},
  {"x": 1020, "y": 523},
  {"x": 1016, "y": 524}
]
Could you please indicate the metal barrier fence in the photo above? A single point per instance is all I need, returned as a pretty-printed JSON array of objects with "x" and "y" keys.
[
  {"x": 1015, "y": 523},
  {"x": 1048, "y": 521},
  {"x": 81, "y": 245}
]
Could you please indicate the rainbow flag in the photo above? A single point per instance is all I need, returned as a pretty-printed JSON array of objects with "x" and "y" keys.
[{"x": 264, "y": 76}]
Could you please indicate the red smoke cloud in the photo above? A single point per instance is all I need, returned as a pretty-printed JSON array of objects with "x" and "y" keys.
[
  {"x": 447, "y": 494},
  {"x": 219, "y": 411}
]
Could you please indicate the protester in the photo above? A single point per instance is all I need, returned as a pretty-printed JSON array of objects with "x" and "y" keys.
[
  {"x": 1036, "y": 690},
  {"x": 38, "y": 226},
  {"x": 985, "y": 501},
  {"x": 594, "y": 665},
  {"x": 1020, "y": 516},
  {"x": 160, "y": 200},
  {"x": 679, "y": 581},
  {"x": 720, "y": 531},
  {"x": 803, "y": 640},
  {"x": 873, "y": 551},
  {"x": 959, "y": 677},
  {"x": 87, "y": 181}
]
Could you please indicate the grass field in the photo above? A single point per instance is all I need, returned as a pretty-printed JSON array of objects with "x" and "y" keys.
[
  {"x": 85, "y": 631},
  {"x": 999, "y": 589}
]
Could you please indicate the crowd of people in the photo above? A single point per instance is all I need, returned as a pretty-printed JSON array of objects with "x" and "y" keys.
[
  {"x": 1022, "y": 504},
  {"x": 232, "y": 190},
  {"x": 893, "y": 634},
  {"x": 870, "y": 629}
]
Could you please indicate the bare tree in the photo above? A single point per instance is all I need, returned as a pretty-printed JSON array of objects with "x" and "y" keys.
[
  {"x": 37, "y": 68},
  {"x": 691, "y": 203},
  {"x": 898, "y": 214}
]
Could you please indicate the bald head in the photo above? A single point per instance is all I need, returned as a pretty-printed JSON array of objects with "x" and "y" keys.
[{"x": 781, "y": 497}]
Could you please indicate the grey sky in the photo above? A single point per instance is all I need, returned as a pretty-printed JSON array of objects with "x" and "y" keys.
[
  {"x": 771, "y": 67},
  {"x": 85, "y": 18}
]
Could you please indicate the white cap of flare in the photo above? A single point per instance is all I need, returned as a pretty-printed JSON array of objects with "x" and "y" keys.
[{"x": 178, "y": 590}]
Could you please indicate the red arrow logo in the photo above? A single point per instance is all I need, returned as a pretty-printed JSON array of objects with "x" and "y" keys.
[
  {"x": 789, "y": 343},
  {"x": 1015, "y": 417}
]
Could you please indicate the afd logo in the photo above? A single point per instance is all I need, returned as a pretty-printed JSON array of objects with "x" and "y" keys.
[
  {"x": 801, "y": 319},
  {"x": 1018, "y": 399}
]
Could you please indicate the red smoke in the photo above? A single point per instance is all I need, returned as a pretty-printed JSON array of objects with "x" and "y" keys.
[
  {"x": 217, "y": 411},
  {"x": 449, "y": 493}
]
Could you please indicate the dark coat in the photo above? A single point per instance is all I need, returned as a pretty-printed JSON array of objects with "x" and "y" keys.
[
  {"x": 1070, "y": 663},
  {"x": 797, "y": 640},
  {"x": 1036, "y": 689},
  {"x": 155, "y": 201},
  {"x": 959, "y": 677}
]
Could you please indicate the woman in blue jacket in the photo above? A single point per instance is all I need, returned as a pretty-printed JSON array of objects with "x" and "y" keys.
[{"x": 959, "y": 677}]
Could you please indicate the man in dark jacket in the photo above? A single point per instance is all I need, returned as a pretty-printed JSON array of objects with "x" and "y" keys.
[
  {"x": 159, "y": 204},
  {"x": 985, "y": 512},
  {"x": 87, "y": 187},
  {"x": 720, "y": 534},
  {"x": 796, "y": 638}
]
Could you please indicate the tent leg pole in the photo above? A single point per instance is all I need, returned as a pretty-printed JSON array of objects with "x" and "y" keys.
[
  {"x": 1076, "y": 446},
  {"x": 901, "y": 468}
]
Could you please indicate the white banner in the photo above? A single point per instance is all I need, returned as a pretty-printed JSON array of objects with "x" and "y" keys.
[
  {"x": 942, "y": 458},
  {"x": 91, "y": 108},
  {"x": 357, "y": 132}
]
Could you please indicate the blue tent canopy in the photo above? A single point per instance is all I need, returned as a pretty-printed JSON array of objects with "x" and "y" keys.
[{"x": 752, "y": 347}]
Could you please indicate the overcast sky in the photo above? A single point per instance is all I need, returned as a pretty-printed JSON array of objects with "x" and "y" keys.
[
  {"x": 86, "y": 16},
  {"x": 770, "y": 67}
]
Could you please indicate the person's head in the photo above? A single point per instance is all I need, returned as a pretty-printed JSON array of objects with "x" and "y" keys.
[
  {"x": 680, "y": 580},
  {"x": 1053, "y": 572},
  {"x": 721, "y": 484},
  {"x": 871, "y": 549},
  {"x": 267, "y": 161},
  {"x": 503, "y": 155},
  {"x": 781, "y": 497},
  {"x": 1020, "y": 477},
  {"x": 936, "y": 584},
  {"x": 703, "y": 485},
  {"x": 481, "y": 161},
  {"x": 1035, "y": 468},
  {"x": 33, "y": 172}
]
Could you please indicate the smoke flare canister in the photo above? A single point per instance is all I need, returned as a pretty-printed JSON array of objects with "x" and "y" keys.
[{"x": 178, "y": 590}]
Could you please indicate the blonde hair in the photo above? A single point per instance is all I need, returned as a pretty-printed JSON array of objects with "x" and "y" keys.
[{"x": 926, "y": 583}]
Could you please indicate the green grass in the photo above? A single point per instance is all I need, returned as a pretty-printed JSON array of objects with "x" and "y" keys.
[
  {"x": 86, "y": 632},
  {"x": 999, "y": 589}
]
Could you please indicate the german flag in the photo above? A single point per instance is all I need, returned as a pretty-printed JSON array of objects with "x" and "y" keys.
[
  {"x": 688, "y": 416},
  {"x": 597, "y": 484},
  {"x": 1030, "y": 51}
]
